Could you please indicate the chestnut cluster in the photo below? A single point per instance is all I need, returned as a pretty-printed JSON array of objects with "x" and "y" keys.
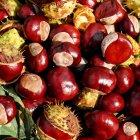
[{"x": 70, "y": 55}]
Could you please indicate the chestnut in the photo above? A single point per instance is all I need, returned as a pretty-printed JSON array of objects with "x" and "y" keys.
[
  {"x": 125, "y": 79},
  {"x": 31, "y": 86},
  {"x": 36, "y": 57},
  {"x": 110, "y": 12},
  {"x": 11, "y": 59},
  {"x": 133, "y": 101},
  {"x": 65, "y": 54},
  {"x": 127, "y": 131},
  {"x": 90, "y": 3},
  {"x": 103, "y": 124},
  {"x": 130, "y": 25},
  {"x": 137, "y": 73},
  {"x": 8, "y": 109},
  {"x": 93, "y": 36},
  {"x": 3, "y": 14},
  {"x": 61, "y": 84},
  {"x": 112, "y": 102},
  {"x": 58, "y": 9},
  {"x": 25, "y": 11},
  {"x": 80, "y": 68},
  {"x": 110, "y": 28},
  {"x": 10, "y": 71},
  {"x": 31, "y": 105},
  {"x": 65, "y": 33},
  {"x": 87, "y": 138},
  {"x": 116, "y": 48},
  {"x": 58, "y": 122},
  {"x": 99, "y": 78},
  {"x": 97, "y": 60},
  {"x": 96, "y": 81},
  {"x": 36, "y": 28}
]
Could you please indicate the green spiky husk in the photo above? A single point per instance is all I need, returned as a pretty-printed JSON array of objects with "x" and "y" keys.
[
  {"x": 134, "y": 5},
  {"x": 59, "y": 10},
  {"x": 11, "y": 6},
  {"x": 10, "y": 45},
  {"x": 83, "y": 17},
  {"x": 87, "y": 98},
  {"x": 64, "y": 119}
]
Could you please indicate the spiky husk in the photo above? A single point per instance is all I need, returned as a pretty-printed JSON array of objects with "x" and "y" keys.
[
  {"x": 11, "y": 24},
  {"x": 83, "y": 16},
  {"x": 10, "y": 44},
  {"x": 59, "y": 10},
  {"x": 63, "y": 119},
  {"x": 101, "y": 1},
  {"x": 11, "y": 6},
  {"x": 11, "y": 59},
  {"x": 39, "y": 3},
  {"x": 134, "y": 5},
  {"x": 136, "y": 47},
  {"x": 87, "y": 98}
]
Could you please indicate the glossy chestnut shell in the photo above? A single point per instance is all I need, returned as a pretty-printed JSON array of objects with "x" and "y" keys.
[
  {"x": 49, "y": 126},
  {"x": 130, "y": 25},
  {"x": 99, "y": 78},
  {"x": 36, "y": 57},
  {"x": 10, "y": 71},
  {"x": 137, "y": 73},
  {"x": 61, "y": 84},
  {"x": 103, "y": 124},
  {"x": 8, "y": 109},
  {"x": 110, "y": 12},
  {"x": 65, "y": 33},
  {"x": 87, "y": 138},
  {"x": 36, "y": 28},
  {"x": 25, "y": 11},
  {"x": 98, "y": 60},
  {"x": 133, "y": 101},
  {"x": 50, "y": 130},
  {"x": 65, "y": 54},
  {"x": 125, "y": 79},
  {"x": 127, "y": 131},
  {"x": 116, "y": 48},
  {"x": 93, "y": 36},
  {"x": 112, "y": 102},
  {"x": 31, "y": 105},
  {"x": 3, "y": 14},
  {"x": 31, "y": 86},
  {"x": 90, "y": 3}
]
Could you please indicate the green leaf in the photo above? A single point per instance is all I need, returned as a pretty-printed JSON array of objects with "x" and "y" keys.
[
  {"x": 28, "y": 123},
  {"x": 23, "y": 125},
  {"x": 2, "y": 91},
  {"x": 138, "y": 39},
  {"x": 11, "y": 92},
  {"x": 9, "y": 129}
]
